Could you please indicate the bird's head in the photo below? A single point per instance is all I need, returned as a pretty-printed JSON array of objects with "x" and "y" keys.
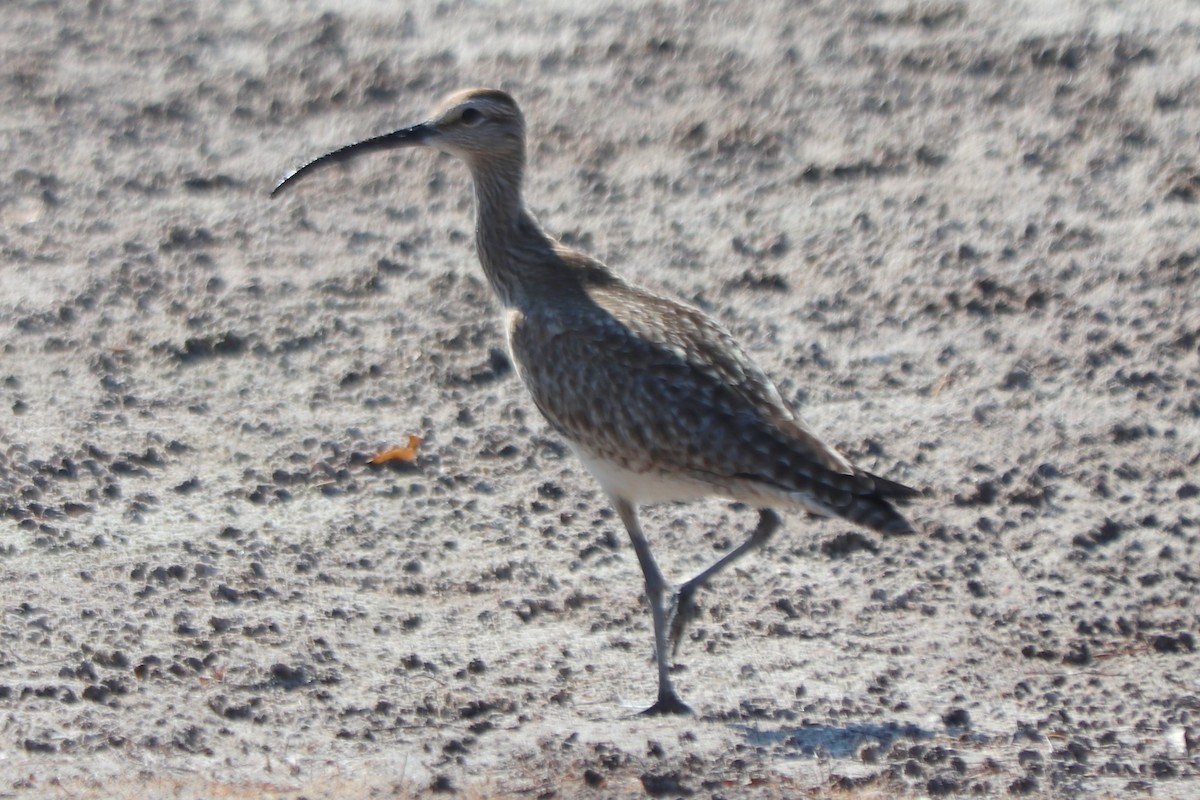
[{"x": 480, "y": 126}]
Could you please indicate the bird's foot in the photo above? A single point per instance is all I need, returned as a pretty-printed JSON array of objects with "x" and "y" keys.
[
  {"x": 668, "y": 703},
  {"x": 683, "y": 610}
]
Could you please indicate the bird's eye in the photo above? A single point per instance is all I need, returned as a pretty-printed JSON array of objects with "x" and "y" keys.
[{"x": 471, "y": 116}]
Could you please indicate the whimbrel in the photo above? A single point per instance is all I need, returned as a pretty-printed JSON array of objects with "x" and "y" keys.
[{"x": 654, "y": 397}]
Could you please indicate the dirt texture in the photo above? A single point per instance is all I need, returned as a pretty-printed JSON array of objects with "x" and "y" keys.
[{"x": 961, "y": 236}]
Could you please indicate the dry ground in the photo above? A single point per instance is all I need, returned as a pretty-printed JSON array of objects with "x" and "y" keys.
[{"x": 961, "y": 235}]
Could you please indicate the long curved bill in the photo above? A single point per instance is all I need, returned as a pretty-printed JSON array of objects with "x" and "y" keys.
[{"x": 405, "y": 137}]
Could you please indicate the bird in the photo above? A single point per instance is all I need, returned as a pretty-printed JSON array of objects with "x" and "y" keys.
[{"x": 654, "y": 396}]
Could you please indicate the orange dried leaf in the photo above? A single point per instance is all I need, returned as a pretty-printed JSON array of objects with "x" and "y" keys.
[{"x": 407, "y": 453}]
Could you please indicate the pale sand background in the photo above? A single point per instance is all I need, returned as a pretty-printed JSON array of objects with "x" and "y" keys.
[{"x": 963, "y": 236}]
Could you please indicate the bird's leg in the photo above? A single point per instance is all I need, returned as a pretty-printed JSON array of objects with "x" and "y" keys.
[
  {"x": 668, "y": 701},
  {"x": 683, "y": 605}
]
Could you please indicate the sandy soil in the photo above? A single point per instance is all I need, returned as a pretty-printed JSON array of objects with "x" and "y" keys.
[{"x": 962, "y": 236}]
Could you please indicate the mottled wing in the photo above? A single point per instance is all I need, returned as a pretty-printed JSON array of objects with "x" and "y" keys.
[
  {"x": 702, "y": 367},
  {"x": 654, "y": 385}
]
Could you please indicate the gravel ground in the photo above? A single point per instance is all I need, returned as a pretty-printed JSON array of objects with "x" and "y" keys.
[{"x": 962, "y": 236}]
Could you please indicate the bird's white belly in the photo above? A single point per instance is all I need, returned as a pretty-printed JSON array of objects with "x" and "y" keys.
[{"x": 639, "y": 488}]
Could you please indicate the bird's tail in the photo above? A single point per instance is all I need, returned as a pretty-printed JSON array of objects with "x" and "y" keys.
[{"x": 874, "y": 509}]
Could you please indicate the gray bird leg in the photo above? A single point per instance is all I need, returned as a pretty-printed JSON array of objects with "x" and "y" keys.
[
  {"x": 683, "y": 605},
  {"x": 668, "y": 701}
]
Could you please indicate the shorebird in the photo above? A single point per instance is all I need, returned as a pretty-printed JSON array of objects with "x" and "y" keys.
[{"x": 654, "y": 396}]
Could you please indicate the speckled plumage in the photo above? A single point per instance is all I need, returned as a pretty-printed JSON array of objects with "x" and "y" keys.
[
  {"x": 659, "y": 388},
  {"x": 655, "y": 397}
]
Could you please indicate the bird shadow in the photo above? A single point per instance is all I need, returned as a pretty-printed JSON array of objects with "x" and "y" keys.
[{"x": 831, "y": 740}]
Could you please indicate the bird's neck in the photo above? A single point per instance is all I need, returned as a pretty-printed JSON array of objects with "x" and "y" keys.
[{"x": 513, "y": 249}]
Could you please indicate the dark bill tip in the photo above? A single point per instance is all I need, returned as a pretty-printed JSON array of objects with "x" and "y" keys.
[{"x": 405, "y": 137}]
